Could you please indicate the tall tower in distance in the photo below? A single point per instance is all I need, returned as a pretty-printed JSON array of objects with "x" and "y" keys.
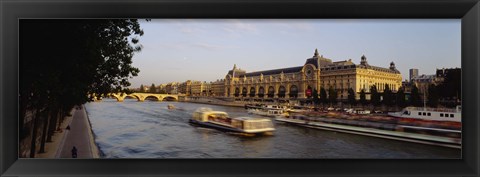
[{"x": 413, "y": 73}]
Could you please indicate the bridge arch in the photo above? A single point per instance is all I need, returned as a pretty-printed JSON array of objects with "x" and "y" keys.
[
  {"x": 169, "y": 98},
  {"x": 133, "y": 96},
  {"x": 156, "y": 98}
]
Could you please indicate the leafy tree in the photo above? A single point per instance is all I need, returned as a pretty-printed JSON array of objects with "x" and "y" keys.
[
  {"x": 432, "y": 96},
  {"x": 363, "y": 99},
  {"x": 64, "y": 63},
  {"x": 142, "y": 88},
  {"x": 451, "y": 86},
  {"x": 323, "y": 96},
  {"x": 351, "y": 97},
  {"x": 415, "y": 99},
  {"x": 400, "y": 98},
  {"x": 387, "y": 96},
  {"x": 153, "y": 89},
  {"x": 332, "y": 95},
  {"x": 315, "y": 97},
  {"x": 374, "y": 96}
]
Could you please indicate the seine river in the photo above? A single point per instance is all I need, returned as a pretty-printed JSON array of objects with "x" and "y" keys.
[{"x": 132, "y": 129}]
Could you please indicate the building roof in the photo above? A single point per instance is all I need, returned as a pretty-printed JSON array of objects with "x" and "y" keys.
[
  {"x": 319, "y": 62},
  {"x": 274, "y": 71},
  {"x": 423, "y": 76},
  {"x": 378, "y": 68}
]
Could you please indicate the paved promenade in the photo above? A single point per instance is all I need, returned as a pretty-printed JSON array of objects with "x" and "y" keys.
[{"x": 80, "y": 136}]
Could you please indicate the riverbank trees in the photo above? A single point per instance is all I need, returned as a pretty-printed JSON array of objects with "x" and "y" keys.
[{"x": 63, "y": 63}]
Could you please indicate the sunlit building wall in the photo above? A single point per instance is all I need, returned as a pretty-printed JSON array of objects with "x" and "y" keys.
[{"x": 317, "y": 72}]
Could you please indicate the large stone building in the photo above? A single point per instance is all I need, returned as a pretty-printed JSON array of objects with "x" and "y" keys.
[
  {"x": 185, "y": 88},
  {"x": 172, "y": 88},
  {"x": 218, "y": 88},
  {"x": 317, "y": 72},
  {"x": 199, "y": 88}
]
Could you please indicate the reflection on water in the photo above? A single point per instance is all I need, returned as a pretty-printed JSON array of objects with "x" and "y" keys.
[{"x": 132, "y": 129}]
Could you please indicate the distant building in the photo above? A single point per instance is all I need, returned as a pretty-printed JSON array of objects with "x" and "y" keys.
[
  {"x": 162, "y": 88},
  {"x": 172, "y": 88},
  {"x": 407, "y": 86},
  {"x": 413, "y": 73},
  {"x": 207, "y": 89},
  {"x": 145, "y": 89},
  {"x": 451, "y": 83},
  {"x": 317, "y": 72},
  {"x": 218, "y": 87},
  {"x": 198, "y": 88},
  {"x": 444, "y": 73},
  {"x": 185, "y": 87},
  {"x": 424, "y": 81}
]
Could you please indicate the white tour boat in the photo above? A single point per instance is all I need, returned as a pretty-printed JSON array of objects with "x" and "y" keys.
[
  {"x": 434, "y": 114},
  {"x": 220, "y": 120},
  {"x": 266, "y": 112}
]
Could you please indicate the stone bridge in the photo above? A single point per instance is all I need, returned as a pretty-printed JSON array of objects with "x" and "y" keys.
[{"x": 142, "y": 96}]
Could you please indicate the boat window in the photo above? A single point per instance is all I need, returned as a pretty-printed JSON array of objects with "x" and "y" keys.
[
  {"x": 441, "y": 114},
  {"x": 429, "y": 114},
  {"x": 419, "y": 113},
  {"x": 446, "y": 115},
  {"x": 451, "y": 115},
  {"x": 424, "y": 113}
]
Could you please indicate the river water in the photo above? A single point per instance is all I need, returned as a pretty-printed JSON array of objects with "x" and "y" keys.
[{"x": 132, "y": 129}]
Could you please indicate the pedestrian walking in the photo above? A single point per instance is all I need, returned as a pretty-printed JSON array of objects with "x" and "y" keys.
[{"x": 74, "y": 152}]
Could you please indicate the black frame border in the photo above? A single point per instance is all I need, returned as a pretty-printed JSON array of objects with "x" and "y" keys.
[{"x": 466, "y": 10}]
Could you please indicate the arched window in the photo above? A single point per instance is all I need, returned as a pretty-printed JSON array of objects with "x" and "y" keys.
[
  {"x": 281, "y": 92},
  {"x": 252, "y": 91},
  {"x": 261, "y": 92},
  {"x": 271, "y": 91},
  {"x": 293, "y": 91},
  {"x": 244, "y": 92},
  {"x": 237, "y": 92}
]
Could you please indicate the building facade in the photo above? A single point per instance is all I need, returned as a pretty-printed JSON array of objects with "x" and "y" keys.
[
  {"x": 199, "y": 88},
  {"x": 317, "y": 72},
  {"x": 413, "y": 73},
  {"x": 172, "y": 88},
  {"x": 218, "y": 87},
  {"x": 423, "y": 82},
  {"x": 185, "y": 88}
]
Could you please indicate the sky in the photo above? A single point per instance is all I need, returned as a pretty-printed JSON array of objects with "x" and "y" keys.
[{"x": 176, "y": 50}]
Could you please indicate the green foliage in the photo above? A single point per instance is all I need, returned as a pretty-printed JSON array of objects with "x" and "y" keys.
[
  {"x": 387, "y": 96},
  {"x": 64, "y": 63},
  {"x": 400, "y": 97},
  {"x": 315, "y": 97},
  {"x": 323, "y": 96},
  {"x": 332, "y": 95},
  {"x": 374, "y": 96},
  {"x": 363, "y": 99},
  {"x": 415, "y": 99},
  {"x": 351, "y": 97},
  {"x": 142, "y": 88},
  {"x": 153, "y": 89},
  {"x": 433, "y": 96}
]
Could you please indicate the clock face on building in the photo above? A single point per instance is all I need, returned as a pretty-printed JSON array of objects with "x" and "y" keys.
[{"x": 309, "y": 71}]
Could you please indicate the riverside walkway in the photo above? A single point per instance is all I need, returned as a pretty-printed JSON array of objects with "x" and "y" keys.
[{"x": 80, "y": 136}]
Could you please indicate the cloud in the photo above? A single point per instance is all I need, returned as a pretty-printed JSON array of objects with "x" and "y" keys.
[
  {"x": 300, "y": 26},
  {"x": 211, "y": 46},
  {"x": 238, "y": 27},
  {"x": 190, "y": 30}
]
